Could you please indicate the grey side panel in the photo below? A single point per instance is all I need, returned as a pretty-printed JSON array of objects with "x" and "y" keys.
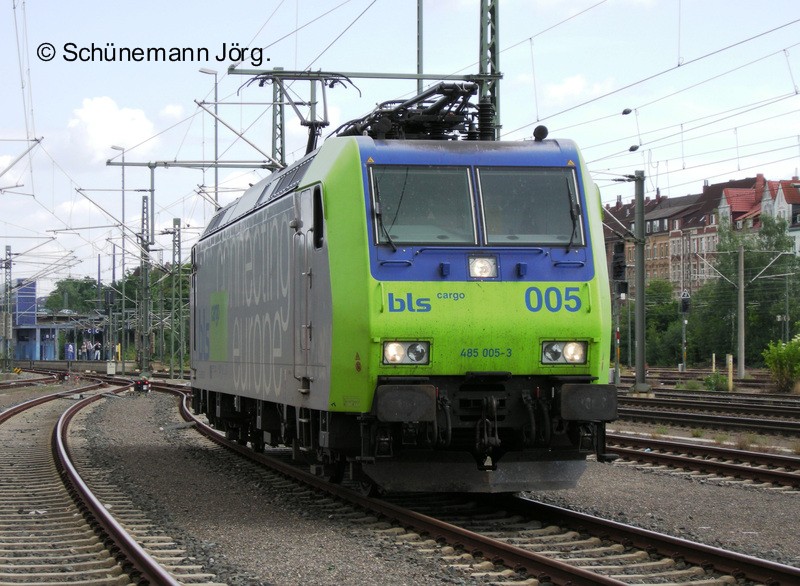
[
  {"x": 245, "y": 319},
  {"x": 243, "y": 306}
]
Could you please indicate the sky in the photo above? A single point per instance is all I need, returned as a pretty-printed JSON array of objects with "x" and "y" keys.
[{"x": 711, "y": 86}]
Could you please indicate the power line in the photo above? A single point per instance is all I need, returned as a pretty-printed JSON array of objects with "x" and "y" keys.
[
  {"x": 704, "y": 122},
  {"x": 663, "y": 72}
]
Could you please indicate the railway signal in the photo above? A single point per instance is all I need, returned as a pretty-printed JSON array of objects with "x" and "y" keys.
[{"x": 685, "y": 301}]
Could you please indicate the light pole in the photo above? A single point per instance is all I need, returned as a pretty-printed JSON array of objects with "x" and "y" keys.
[
  {"x": 216, "y": 137},
  {"x": 124, "y": 332}
]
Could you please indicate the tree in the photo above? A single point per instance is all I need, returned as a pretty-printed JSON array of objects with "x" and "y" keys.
[
  {"x": 78, "y": 295},
  {"x": 783, "y": 361},
  {"x": 164, "y": 342},
  {"x": 770, "y": 272},
  {"x": 663, "y": 344},
  {"x": 711, "y": 325}
]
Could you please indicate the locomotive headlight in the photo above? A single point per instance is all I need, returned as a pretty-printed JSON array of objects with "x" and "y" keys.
[
  {"x": 575, "y": 352},
  {"x": 482, "y": 267},
  {"x": 393, "y": 353},
  {"x": 564, "y": 353},
  {"x": 417, "y": 353},
  {"x": 551, "y": 352},
  {"x": 406, "y": 352}
]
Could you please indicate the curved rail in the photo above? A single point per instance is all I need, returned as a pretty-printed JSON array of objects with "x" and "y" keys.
[
  {"x": 509, "y": 555},
  {"x": 10, "y": 384},
  {"x": 19, "y": 408},
  {"x": 536, "y": 565},
  {"x": 144, "y": 564},
  {"x": 141, "y": 562}
]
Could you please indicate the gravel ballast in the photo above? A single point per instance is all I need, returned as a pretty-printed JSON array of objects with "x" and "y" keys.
[
  {"x": 232, "y": 519},
  {"x": 249, "y": 531}
]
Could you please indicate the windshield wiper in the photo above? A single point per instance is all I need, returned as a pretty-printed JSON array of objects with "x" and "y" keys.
[
  {"x": 379, "y": 217},
  {"x": 574, "y": 212}
]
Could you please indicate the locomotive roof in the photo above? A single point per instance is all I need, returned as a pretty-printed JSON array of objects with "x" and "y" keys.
[
  {"x": 555, "y": 153},
  {"x": 551, "y": 152}
]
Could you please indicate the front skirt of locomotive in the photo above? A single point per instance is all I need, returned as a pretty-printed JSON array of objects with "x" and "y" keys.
[
  {"x": 500, "y": 436},
  {"x": 457, "y": 472}
]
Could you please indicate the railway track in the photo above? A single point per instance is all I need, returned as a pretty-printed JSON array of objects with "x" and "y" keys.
[
  {"x": 606, "y": 552},
  {"x": 765, "y": 399},
  {"x": 780, "y": 419},
  {"x": 26, "y": 382},
  {"x": 781, "y": 410},
  {"x": 669, "y": 378},
  {"x": 502, "y": 540},
  {"x": 510, "y": 539},
  {"x": 769, "y": 470},
  {"x": 54, "y": 527}
]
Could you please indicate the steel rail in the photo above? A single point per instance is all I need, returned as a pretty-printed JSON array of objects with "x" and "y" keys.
[
  {"x": 540, "y": 567},
  {"x": 702, "y": 450},
  {"x": 19, "y": 408},
  {"x": 633, "y": 449},
  {"x": 543, "y": 568},
  {"x": 782, "y": 411},
  {"x": 740, "y": 566},
  {"x": 26, "y": 382},
  {"x": 683, "y": 418},
  {"x": 143, "y": 563},
  {"x": 723, "y": 398}
]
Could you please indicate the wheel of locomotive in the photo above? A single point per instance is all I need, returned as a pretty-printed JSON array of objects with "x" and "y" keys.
[
  {"x": 363, "y": 484},
  {"x": 335, "y": 471},
  {"x": 366, "y": 487},
  {"x": 235, "y": 433},
  {"x": 257, "y": 441}
]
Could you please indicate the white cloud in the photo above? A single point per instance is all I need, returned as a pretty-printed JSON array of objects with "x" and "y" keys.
[
  {"x": 100, "y": 123},
  {"x": 5, "y": 161},
  {"x": 172, "y": 111},
  {"x": 79, "y": 210},
  {"x": 15, "y": 174},
  {"x": 576, "y": 87}
]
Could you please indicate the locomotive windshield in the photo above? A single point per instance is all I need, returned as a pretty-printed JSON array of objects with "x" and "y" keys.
[
  {"x": 529, "y": 205},
  {"x": 519, "y": 206},
  {"x": 423, "y": 205}
]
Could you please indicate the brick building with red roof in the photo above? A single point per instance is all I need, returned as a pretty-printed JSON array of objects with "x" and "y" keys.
[{"x": 681, "y": 232}]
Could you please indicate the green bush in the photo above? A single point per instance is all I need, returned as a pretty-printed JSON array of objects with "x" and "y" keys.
[
  {"x": 690, "y": 385},
  {"x": 783, "y": 361},
  {"x": 716, "y": 381}
]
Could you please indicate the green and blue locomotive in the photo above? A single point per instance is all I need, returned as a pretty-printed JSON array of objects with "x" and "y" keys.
[{"x": 428, "y": 315}]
